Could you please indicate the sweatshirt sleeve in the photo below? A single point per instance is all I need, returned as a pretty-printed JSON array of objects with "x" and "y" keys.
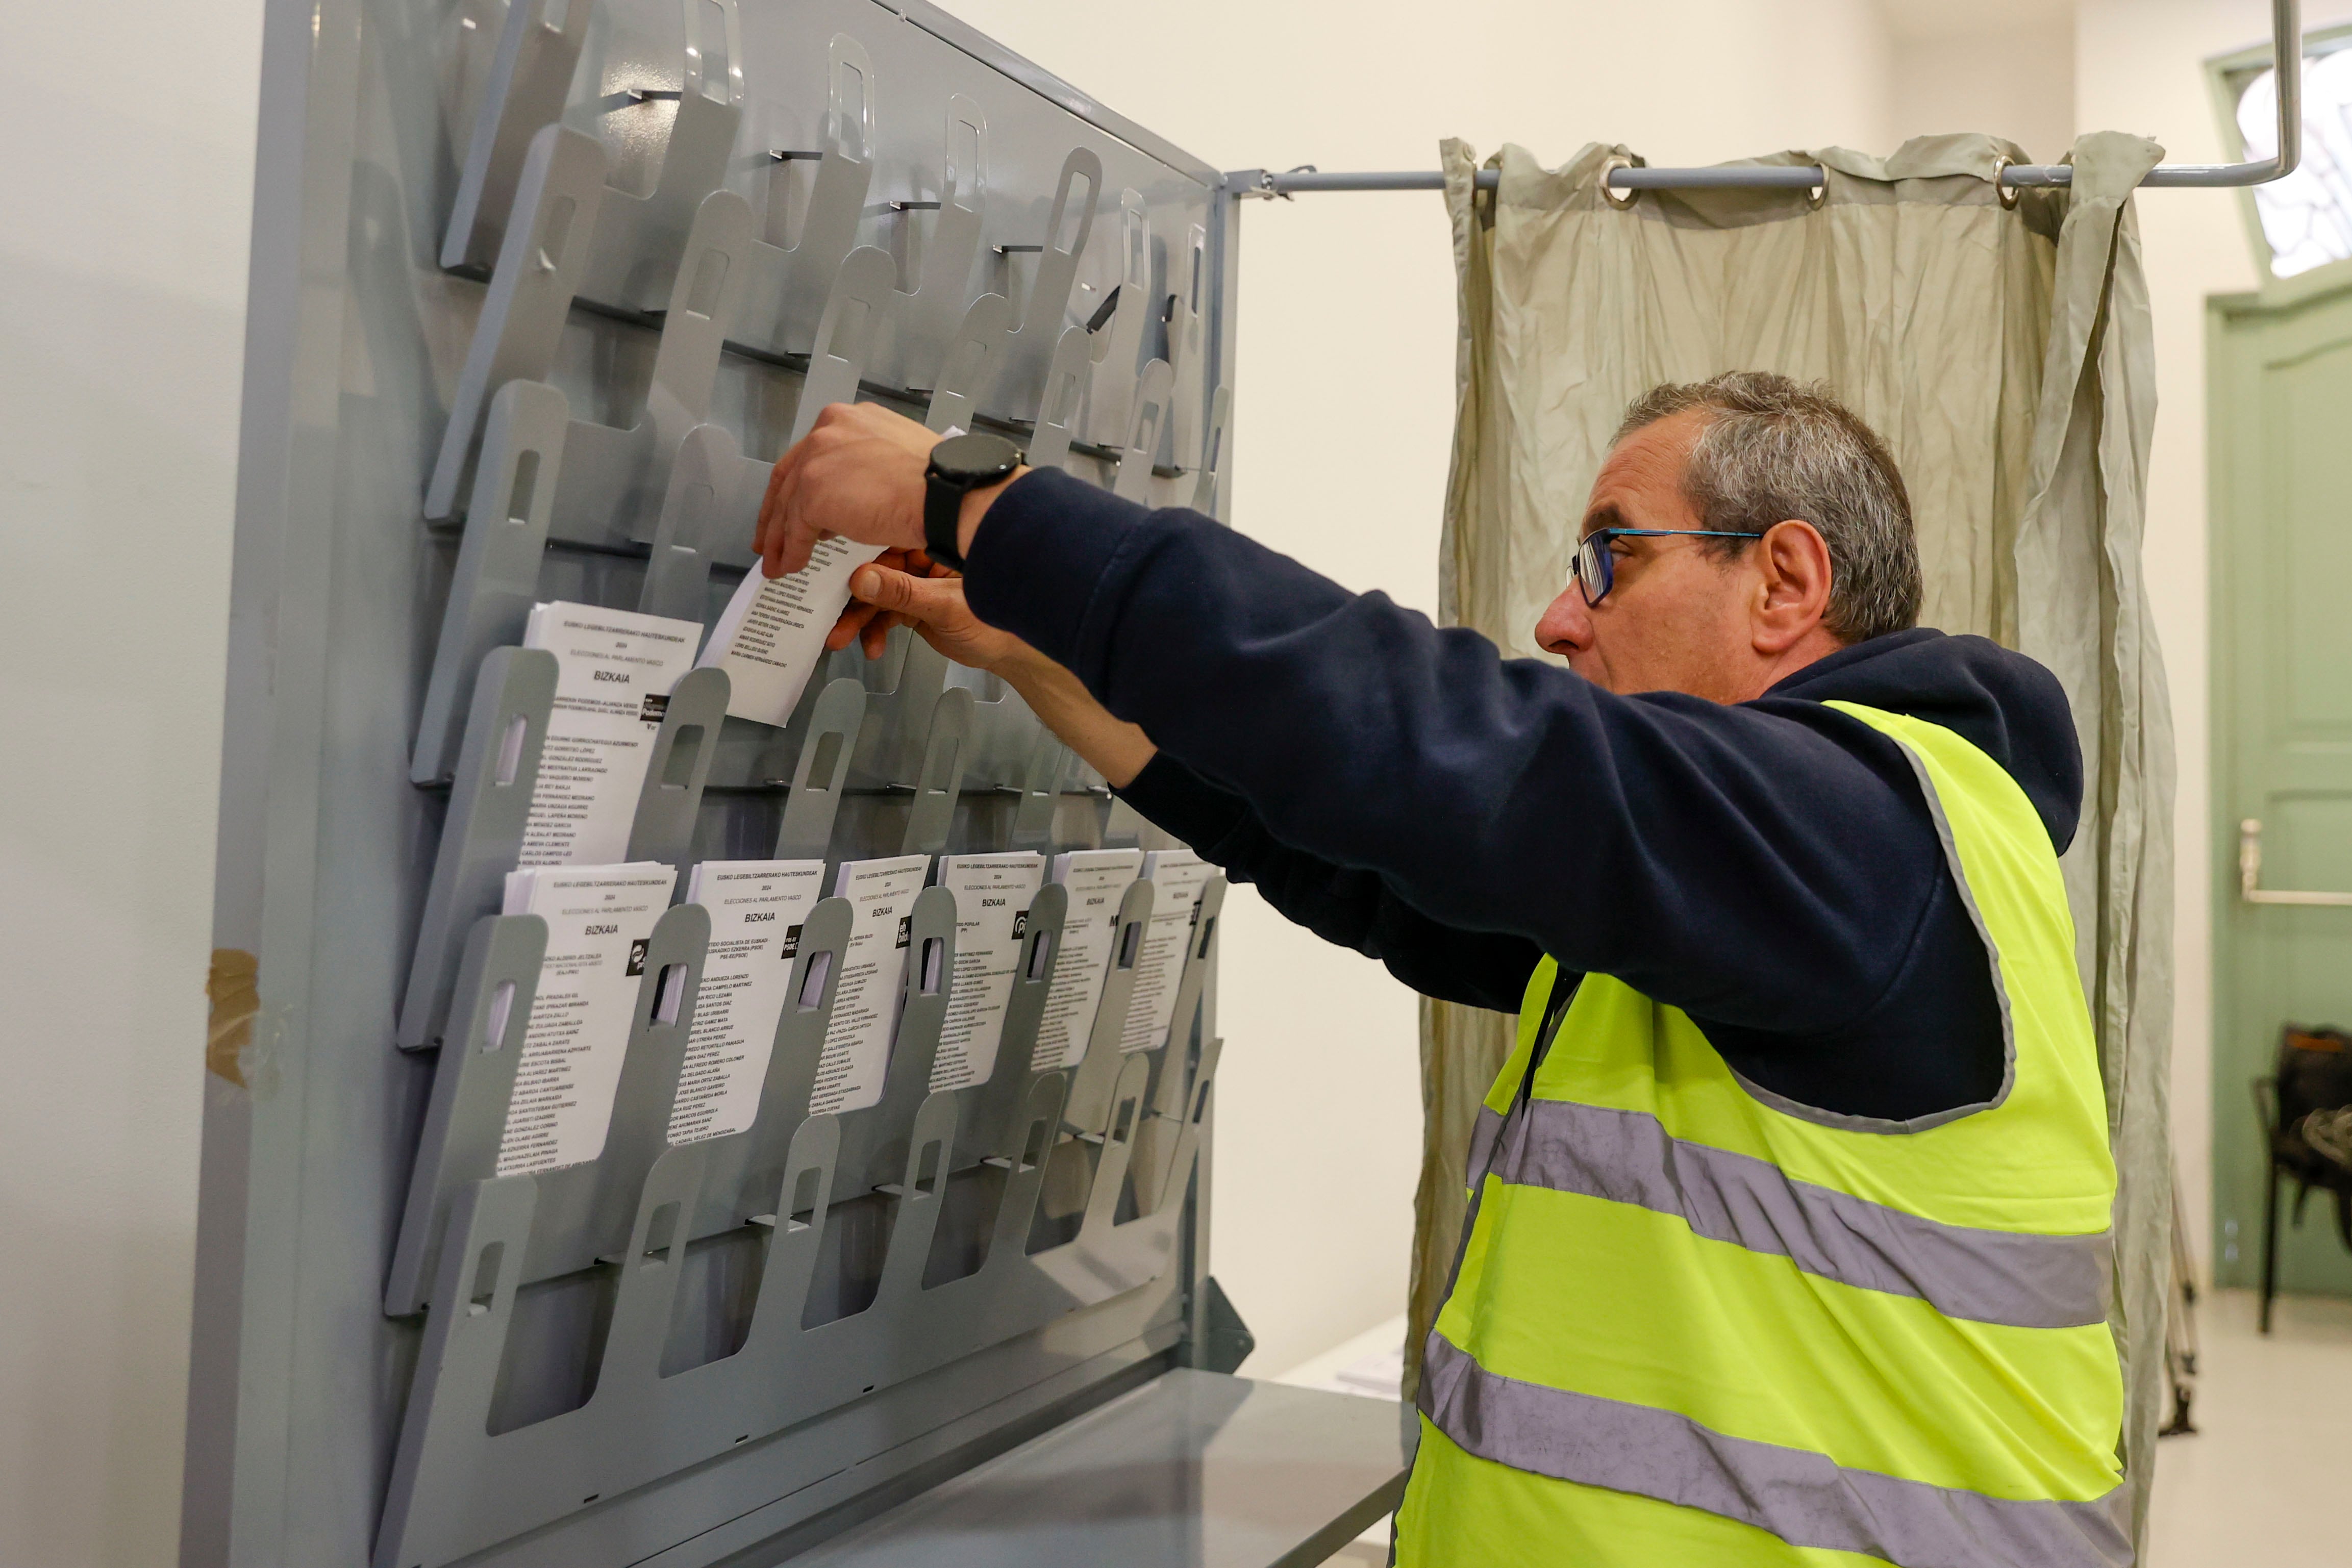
[
  {"x": 1352, "y": 908},
  {"x": 1763, "y": 864}
]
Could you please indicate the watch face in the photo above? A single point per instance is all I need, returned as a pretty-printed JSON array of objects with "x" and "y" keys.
[{"x": 976, "y": 459}]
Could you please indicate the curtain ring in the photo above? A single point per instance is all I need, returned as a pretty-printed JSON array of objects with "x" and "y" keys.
[
  {"x": 1617, "y": 198},
  {"x": 2005, "y": 195}
]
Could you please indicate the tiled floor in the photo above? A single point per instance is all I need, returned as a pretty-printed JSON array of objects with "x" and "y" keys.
[{"x": 2267, "y": 1479}]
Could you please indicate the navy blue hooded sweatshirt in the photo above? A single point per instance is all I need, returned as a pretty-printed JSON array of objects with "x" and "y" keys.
[{"x": 1402, "y": 789}]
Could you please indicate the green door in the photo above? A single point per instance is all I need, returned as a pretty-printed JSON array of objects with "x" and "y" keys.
[{"x": 2281, "y": 435}]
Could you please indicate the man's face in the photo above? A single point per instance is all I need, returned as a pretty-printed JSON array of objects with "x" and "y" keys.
[{"x": 1677, "y": 617}]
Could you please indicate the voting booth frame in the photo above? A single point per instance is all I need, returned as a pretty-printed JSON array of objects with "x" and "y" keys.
[{"x": 538, "y": 291}]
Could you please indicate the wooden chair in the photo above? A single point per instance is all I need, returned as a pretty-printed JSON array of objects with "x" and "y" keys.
[{"x": 2314, "y": 1073}]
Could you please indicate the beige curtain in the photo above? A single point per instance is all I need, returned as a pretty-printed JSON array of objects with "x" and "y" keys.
[{"x": 2004, "y": 352}]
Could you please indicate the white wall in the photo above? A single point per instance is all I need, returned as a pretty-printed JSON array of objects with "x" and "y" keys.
[
  {"x": 2002, "y": 66},
  {"x": 1344, "y": 410},
  {"x": 121, "y": 311}
]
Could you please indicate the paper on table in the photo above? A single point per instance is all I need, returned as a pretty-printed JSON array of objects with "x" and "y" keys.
[
  {"x": 993, "y": 896},
  {"x": 1176, "y": 877},
  {"x": 615, "y": 669},
  {"x": 600, "y": 920},
  {"x": 756, "y": 911},
  {"x": 873, "y": 968},
  {"x": 771, "y": 637},
  {"x": 1098, "y": 880}
]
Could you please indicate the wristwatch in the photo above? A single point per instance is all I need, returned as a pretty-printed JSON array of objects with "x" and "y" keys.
[{"x": 959, "y": 465}]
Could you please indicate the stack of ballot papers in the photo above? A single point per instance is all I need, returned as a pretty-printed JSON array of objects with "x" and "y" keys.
[
  {"x": 757, "y": 908},
  {"x": 1177, "y": 877},
  {"x": 992, "y": 895},
  {"x": 600, "y": 921},
  {"x": 615, "y": 669},
  {"x": 771, "y": 637},
  {"x": 1098, "y": 880},
  {"x": 856, "y": 1057}
]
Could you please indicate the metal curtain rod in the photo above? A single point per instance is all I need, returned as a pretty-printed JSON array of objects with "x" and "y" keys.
[{"x": 2286, "y": 51}]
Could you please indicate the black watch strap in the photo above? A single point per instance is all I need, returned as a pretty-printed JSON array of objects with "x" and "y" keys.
[
  {"x": 959, "y": 466},
  {"x": 942, "y": 515}
]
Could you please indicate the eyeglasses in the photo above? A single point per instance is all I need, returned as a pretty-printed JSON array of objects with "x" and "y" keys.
[{"x": 1594, "y": 571}]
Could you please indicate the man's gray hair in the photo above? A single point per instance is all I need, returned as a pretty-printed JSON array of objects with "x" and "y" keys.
[{"x": 1773, "y": 450}]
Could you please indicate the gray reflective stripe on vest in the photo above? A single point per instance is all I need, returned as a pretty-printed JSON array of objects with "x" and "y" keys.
[
  {"x": 1804, "y": 1498},
  {"x": 1978, "y": 1276},
  {"x": 1483, "y": 1133}
]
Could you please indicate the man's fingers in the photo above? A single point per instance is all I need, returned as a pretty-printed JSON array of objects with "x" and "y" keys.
[
  {"x": 771, "y": 511},
  {"x": 845, "y": 630},
  {"x": 856, "y": 616},
  {"x": 857, "y": 623},
  {"x": 795, "y": 533},
  {"x": 787, "y": 535},
  {"x": 767, "y": 518},
  {"x": 882, "y": 588},
  {"x": 788, "y": 477},
  {"x": 771, "y": 542},
  {"x": 926, "y": 599}
]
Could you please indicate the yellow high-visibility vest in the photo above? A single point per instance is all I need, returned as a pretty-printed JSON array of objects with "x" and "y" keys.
[{"x": 1698, "y": 1323}]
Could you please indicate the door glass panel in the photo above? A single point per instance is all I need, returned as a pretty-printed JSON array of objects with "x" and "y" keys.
[
  {"x": 2306, "y": 216},
  {"x": 2307, "y": 400}
]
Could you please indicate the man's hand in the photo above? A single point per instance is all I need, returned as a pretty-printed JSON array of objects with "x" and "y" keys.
[
  {"x": 859, "y": 473},
  {"x": 935, "y": 607},
  {"x": 870, "y": 625}
]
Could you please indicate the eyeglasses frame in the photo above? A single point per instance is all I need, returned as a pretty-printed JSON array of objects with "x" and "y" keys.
[{"x": 1597, "y": 541}]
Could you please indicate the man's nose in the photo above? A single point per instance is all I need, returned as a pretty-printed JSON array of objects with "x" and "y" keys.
[{"x": 1566, "y": 627}]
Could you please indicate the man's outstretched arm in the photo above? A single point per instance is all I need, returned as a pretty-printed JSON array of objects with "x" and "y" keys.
[
  {"x": 1759, "y": 869},
  {"x": 1352, "y": 908},
  {"x": 1749, "y": 868}
]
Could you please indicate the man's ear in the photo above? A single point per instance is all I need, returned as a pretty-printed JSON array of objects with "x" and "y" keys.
[{"x": 1793, "y": 593}]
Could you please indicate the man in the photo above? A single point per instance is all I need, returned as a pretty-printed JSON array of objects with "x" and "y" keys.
[{"x": 1789, "y": 1235}]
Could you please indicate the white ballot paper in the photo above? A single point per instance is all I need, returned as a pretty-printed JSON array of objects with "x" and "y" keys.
[
  {"x": 1176, "y": 877},
  {"x": 771, "y": 637},
  {"x": 992, "y": 895},
  {"x": 1098, "y": 880},
  {"x": 756, "y": 910},
  {"x": 615, "y": 669},
  {"x": 873, "y": 967},
  {"x": 600, "y": 920}
]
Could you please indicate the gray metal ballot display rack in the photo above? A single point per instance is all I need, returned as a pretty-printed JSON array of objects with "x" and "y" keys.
[{"x": 540, "y": 290}]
